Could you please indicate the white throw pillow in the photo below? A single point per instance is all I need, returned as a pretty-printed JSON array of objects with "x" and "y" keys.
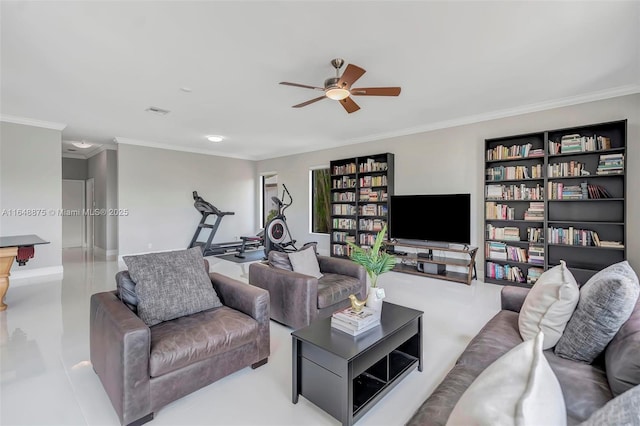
[
  {"x": 519, "y": 388},
  {"x": 305, "y": 262},
  {"x": 549, "y": 305}
]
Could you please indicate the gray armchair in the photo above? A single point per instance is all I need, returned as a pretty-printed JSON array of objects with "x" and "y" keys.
[
  {"x": 143, "y": 368},
  {"x": 298, "y": 299}
]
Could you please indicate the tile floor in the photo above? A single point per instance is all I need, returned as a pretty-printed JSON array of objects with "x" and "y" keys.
[{"x": 46, "y": 376}]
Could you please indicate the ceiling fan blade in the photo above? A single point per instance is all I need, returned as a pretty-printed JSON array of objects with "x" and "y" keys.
[
  {"x": 309, "y": 102},
  {"x": 349, "y": 105},
  {"x": 286, "y": 83},
  {"x": 350, "y": 75},
  {"x": 376, "y": 91}
]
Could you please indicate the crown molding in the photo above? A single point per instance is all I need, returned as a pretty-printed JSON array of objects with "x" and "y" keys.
[
  {"x": 91, "y": 153},
  {"x": 76, "y": 156},
  {"x": 631, "y": 89},
  {"x": 171, "y": 147},
  {"x": 32, "y": 122},
  {"x": 101, "y": 148}
]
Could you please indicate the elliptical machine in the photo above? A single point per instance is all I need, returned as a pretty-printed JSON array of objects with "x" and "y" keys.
[{"x": 276, "y": 230}]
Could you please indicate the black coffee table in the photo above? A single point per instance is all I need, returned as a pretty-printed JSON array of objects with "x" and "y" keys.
[{"x": 346, "y": 375}]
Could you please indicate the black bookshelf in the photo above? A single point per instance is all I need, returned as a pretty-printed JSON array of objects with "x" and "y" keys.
[
  {"x": 361, "y": 188},
  {"x": 582, "y": 211}
]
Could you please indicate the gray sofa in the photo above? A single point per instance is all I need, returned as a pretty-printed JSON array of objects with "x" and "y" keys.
[
  {"x": 298, "y": 299},
  {"x": 586, "y": 387},
  {"x": 144, "y": 368}
]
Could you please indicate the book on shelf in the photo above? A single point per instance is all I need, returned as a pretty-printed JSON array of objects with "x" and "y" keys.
[
  {"x": 535, "y": 211},
  {"x": 501, "y": 152},
  {"x": 371, "y": 165},
  {"x": 566, "y": 169},
  {"x": 573, "y": 237},
  {"x": 533, "y": 274},
  {"x": 514, "y": 192},
  {"x": 499, "y": 173},
  {"x": 496, "y": 250},
  {"x": 584, "y": 191},
  {"x": 343, "y": 183},
  {"x": 610, "y": 244},
  {"x": 535, "y": 235},
  {"x": 341, "y": 250},
  {"x": 536, "y": 254},
  {"x": 508, "y": 233},
  {"x": 610, "y": 164},
  {"x": 501, "y": 251},
  {"x": 344, "y": 169},
  {"x": 499, "y": 211},
  {"x": 598, "y": 191},
  {"x": 575, "y": 143},
  {"x": 344, "y": 196},
  {"x": 345, "y": 328},
  {"x": 371, "y": 224},
  {"x": 357, "y": 320},
  {"x": 504, "y": 272}
]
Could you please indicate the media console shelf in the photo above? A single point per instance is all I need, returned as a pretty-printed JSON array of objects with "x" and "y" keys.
[{"x": 409, "y": 262}]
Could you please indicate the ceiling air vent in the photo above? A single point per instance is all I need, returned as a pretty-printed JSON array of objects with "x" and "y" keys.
[{"x": 156, "y": 110}]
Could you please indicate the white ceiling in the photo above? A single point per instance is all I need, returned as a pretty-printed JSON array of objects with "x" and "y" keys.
[{"x": 97, "y": 65}]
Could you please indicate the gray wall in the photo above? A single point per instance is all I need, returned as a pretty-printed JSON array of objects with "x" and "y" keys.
[
  {"x": 103, "y": 168},
  {"x": 451, "y": 161},
  {"x": 31, "y": 178},
  {"x": 74, "y": 168},
  {"x": 155, "y": 185}
]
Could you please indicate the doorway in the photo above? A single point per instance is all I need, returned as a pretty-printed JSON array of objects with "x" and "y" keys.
[
  {"x": 73, "y": 194},
  {"x": 90, "y": 204}
]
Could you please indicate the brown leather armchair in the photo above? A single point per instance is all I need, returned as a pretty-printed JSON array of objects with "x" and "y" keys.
[
  {"x": 298, "y": 299},
  {"x": 144, "y": 368}
]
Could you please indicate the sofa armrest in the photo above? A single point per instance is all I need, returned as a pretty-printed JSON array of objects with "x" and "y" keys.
[
  {"x": 249, "y": 300},
  {"x": 334, "y": 265},
  {"x": 294, "y": 296},
  {"x": 242, "y": 297},
  {"x": 119, "y": 348},
  {"x": 512, "y": 297}
]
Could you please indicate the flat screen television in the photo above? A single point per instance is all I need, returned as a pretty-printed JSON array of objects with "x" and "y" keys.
[{"x": 435, "y": 218}]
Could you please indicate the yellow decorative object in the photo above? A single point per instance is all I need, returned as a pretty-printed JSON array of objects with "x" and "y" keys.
[{"x": 356, "y": 304}]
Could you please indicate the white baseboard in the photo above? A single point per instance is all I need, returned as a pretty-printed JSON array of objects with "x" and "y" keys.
[
  {"x": 107, "y": 254},
  {"x": 34, "y": 276}
]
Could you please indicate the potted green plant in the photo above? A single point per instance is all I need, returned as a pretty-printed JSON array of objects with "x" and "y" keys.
[{"x": 376, "y": 262}]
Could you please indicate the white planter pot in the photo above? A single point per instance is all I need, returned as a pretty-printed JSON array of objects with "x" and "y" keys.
[{"x": 374, "y": 298}]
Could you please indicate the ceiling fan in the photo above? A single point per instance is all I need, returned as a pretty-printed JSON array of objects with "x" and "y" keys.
[{"x": 339, "y": 87}]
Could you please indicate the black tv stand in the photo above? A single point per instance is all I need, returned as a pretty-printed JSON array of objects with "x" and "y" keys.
[
  {"x": 465, "y": 259},
  {"x": 425, "y": 255}
]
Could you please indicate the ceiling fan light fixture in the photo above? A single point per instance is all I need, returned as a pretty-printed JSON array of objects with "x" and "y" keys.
[
  {"x": 82, "y": 144},
  {"x": 337, "y": 93}
]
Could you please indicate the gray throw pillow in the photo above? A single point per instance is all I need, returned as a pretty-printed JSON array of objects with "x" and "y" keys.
[
  {"x": 171, "y": 285},
  {"x": 621, "y": 410},
  {"x": 305, "y": 262},
  {"x": 606, "y": 302},
  {"x": 279, "y": 260}
]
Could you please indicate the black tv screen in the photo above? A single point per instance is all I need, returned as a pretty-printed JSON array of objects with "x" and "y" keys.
[{"x": 437, "y": 218}]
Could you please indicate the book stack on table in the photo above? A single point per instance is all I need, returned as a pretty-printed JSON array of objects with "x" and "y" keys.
[{"x": 354, "y": 323}]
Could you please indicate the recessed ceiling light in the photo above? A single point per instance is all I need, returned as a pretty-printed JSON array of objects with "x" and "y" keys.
[
  {"x": 215, "y": 138},
  {"x": 82, "y": 144}
]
